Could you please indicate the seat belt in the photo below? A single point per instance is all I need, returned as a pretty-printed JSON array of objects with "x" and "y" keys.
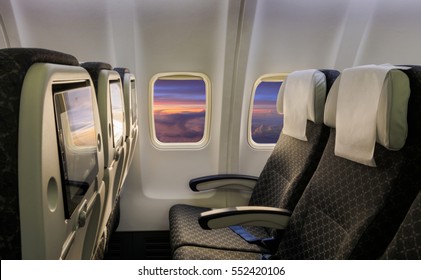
[{"x": 270, "y": 243}]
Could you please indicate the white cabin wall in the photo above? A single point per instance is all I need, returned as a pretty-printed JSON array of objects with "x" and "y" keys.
[
  {"x": 350, "y": 33},
  {"x": 4, "y": 40},
  {"x": 9, "y": 29},
  {"x": 393, "y": 34},
  {"x": 175, "y": 36},
  {"x": 77, "y": 27},
  {"x": 95, "y": 30},
  {"x": 378, "y": 31},
  {"x": 286, "y": 36}
]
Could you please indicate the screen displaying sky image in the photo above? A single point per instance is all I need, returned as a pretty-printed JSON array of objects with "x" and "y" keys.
[
  {"x": 79, "y": 109},
  {"x": 79, "y": 158},
  {"x": 117, "y": 111},
  {"x": 266, "y": 123},
  {"x": 179, "y": 110}
]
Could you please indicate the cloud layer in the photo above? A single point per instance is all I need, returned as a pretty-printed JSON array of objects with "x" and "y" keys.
[
  {"x": 266, "y": 127},
  {"x": 182, "y": 127}
]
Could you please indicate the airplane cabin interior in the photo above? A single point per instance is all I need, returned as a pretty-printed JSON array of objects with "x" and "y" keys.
[{"x": 210, "y": 130}]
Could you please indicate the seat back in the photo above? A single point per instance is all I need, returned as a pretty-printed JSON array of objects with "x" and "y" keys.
[
  {"x": 113, "y": 125},
  {"x": 351, "y": 210},
  {"x": 293, "y": 161},
  {"x": 130, "y": 104},
  {"x": 52, "y": 175},
  {"x": 406, "y": 245}
]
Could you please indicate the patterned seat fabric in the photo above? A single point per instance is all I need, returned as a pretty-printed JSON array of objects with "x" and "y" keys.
[
  {"x": 352, "y": 211},
  {"x": 13, "y": 68},
  {"x": 201, "y": 253},
  {"x": 281, "y": 183},
  {"x": 348, "y": 208},
  {"x": 185, "y": 230},
  {"x": 407, "y": 242}
]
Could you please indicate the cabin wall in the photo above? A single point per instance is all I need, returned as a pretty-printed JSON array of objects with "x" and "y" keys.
[
  {"x": 188, "y": 36},
  {"x": 234, "y": 43},
  {"x": 4, "y": 40},
  {"x": 286, "y": 35}
]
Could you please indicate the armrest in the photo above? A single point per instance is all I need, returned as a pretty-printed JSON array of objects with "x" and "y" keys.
[
  {"x": 223, "y": 180},
  {"x": 245, "y": 215}
]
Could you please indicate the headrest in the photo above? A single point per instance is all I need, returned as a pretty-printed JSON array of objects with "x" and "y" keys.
[
  {"x": 122, "y": 71},
  {"x": 329, "y": 118},
  {"x": 301, "y": 98},
  {"x": 368, "y": 104},
  {"x": 97, "y": 66},
  {"x": 94, "y": 68}
]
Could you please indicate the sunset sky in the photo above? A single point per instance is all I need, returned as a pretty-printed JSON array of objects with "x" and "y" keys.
[
  {"x": 266, "y": 123},
  {"x": 80, "y": 115},
  {"x": 179, "y": 111},
  {"x": 117, "y": 110}
]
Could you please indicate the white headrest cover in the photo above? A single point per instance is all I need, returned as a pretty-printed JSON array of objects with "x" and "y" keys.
[
  {"x": 372, "y": 104},
  {"x": 331, "y": 104},
  {"x": 301, "y": 98}
]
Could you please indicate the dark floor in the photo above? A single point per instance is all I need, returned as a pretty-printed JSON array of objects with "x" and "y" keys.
[{"x": 145, "y": 245}]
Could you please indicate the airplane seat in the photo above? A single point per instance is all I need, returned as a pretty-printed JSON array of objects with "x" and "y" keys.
[
  {"x": 51, "y": 181},
  {"x": 130, "y": 104},
  {"x": 407, "y": 242},
  {"x": 362, "y": 191},
  {"x": 111, "y": 110},
  {"x": 106, "y": 233},
  {"x": 282, "y": 180},
  {"x": 367, "y": 177}
]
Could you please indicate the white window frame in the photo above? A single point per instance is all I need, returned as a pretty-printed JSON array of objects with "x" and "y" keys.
[
  {"x": 206, "y": 133},
  {"x": 272, "y": 77}
]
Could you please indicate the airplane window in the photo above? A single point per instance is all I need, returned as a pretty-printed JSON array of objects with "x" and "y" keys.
[
  {"x": 265, "y": 123},
  {"x": 180, "y": 109}
]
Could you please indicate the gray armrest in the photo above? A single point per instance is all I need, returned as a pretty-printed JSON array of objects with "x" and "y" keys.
[
  {"x": 232, "y": 181},
  {"x": 245, "y": 215}
]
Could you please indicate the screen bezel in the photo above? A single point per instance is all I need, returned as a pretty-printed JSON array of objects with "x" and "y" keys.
[
  {"x": 72, "y": 199},
  {"x": 133, "y": 100}
]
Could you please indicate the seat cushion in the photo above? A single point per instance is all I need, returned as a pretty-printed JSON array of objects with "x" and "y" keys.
[
  {"x": 185, "y": 230},
  {"x": 200, "y": 253}
]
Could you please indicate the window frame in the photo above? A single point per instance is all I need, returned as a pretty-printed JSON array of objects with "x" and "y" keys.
[
  {"x": 271, "y": 77},
  {"x": 207, "y": 124}
]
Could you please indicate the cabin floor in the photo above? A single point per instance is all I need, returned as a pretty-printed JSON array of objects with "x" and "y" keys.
[{"x": 144, "y": 245}]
